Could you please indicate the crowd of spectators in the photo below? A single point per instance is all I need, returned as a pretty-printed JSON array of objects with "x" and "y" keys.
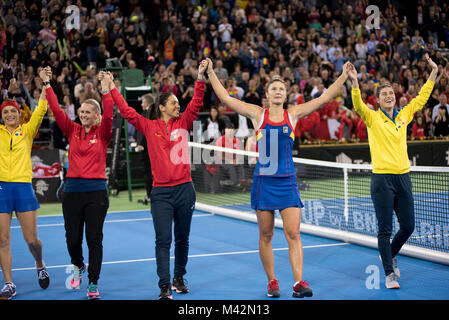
[{"x": 306, "y": 42}]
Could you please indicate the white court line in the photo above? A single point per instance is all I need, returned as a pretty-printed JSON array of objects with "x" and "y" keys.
[
  {"x": 191, "y": 256},
  {"x": 60, "y": 214},
  {"x": 112, "y": 221}
]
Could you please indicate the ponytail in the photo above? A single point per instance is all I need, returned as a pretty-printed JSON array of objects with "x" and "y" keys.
[
  {"x": 150, "y": 113},
  {"x": 25, "y": 114},
  {"x": 162, "y": 100}
]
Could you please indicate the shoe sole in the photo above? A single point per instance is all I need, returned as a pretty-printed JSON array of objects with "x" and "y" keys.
[
  {"x": 93, "y": 296},
  {"x": 44, "y": 285},
  {"x": 75, "y": 287},
  {"x": 166, "y": 298},
  {"x": 302, "y": 295},
  {"x": 394, "y": 287},
  {"x": 12, "y": 296},
  {"x": 277, "y": 295},
  {"x": 179, "y": 291}
]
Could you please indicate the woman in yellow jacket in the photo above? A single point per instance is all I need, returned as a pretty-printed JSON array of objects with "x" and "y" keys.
[
  {"x": 16, "y": 191},
  {"x": 391, "y": 185}
]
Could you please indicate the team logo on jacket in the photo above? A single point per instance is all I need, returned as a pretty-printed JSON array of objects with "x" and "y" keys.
[
  {"x": 174, "y": 135},
  {"x": 92, "y": 141},
  {"x": 285, "y": 129},
  {"x": 401, "y": 123}
]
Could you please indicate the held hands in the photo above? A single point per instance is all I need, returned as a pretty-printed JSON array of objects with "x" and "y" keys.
[
  {"x": 202, "y": 68},
  {"x": 103, "y": 81},
  {"x": 344, "y": 71},
  {"x": 351, "y": 71},
  {"x": 107, "y": 80},
  {"x": 110, "y": 79},
  {"x": 210, "y": 66},
  {"x": 45, "y": 74}
]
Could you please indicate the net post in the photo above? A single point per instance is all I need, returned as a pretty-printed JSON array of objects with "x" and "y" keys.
[{"x": 346, "y": 197}]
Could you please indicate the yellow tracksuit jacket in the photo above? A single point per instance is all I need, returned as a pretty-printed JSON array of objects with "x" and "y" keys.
[
  {"x": 15, "y": 148},
  {"x": 388, "y": 137}
]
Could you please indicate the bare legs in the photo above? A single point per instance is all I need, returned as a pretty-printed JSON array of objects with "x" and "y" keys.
[
  {"x": 291, "y": 218},
  {"x": 28, "y": 222},
  {"x": 5, "y": 248}
]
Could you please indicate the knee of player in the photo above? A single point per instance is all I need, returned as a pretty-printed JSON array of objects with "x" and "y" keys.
[
  {"x": 182, "y": 241},
  {"x": 94, "y": 241},
  {"x": 266, "y": 236},
  {"x": 5, "y": 241},
  {"x": 163, "y": 242},
  {"x": 384, "y": 234},
  {"x": 292, "y": 235}
]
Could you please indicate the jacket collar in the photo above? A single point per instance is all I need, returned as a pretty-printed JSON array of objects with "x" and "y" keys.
[
  {"x": 3, "y": 127},
  {"x": 395, "y": 113}
]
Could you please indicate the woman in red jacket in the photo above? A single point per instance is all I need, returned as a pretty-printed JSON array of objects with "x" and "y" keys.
[
  {"x": 85, "y": 200},
  {"x": 173, "y": 195},
  {"x": 418, "y": 129}
]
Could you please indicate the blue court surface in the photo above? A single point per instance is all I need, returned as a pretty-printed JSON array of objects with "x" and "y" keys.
[{"x": 223, "y": 264}]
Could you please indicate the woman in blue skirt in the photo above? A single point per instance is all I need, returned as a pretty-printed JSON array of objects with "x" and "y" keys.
[{"x": 274, "y": 184}]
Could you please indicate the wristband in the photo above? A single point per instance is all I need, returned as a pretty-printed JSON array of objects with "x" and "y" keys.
[
  {"x": 46, "y": 83},
  {"x": 105, "y": 91}
]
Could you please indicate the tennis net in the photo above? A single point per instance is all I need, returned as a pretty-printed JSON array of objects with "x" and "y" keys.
[{"x": 336, "y": 197}]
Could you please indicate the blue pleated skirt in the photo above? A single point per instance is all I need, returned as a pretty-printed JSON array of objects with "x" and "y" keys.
[{"x": 275, "y": 192}]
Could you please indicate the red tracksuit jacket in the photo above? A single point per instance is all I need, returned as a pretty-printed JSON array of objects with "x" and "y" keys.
[
  {"x": 167, "y": 144},
  {"x": 87, "y": 153}
]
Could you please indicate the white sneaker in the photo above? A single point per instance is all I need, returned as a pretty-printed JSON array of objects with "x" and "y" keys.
[
  {"x": 391, "y": 281},
  {"x": 395, "y": 266},
  {"x": 8, "y": 291}
]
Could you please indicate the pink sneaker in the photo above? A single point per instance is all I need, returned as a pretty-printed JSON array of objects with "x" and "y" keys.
[
  {"x": 77, "y": 276},
  {"x": 92, "y": 291}
]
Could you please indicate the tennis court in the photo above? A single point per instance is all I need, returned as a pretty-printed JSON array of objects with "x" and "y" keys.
[
  {"x": 224, "y": 261},
  {"x": 223, "y": 264}
]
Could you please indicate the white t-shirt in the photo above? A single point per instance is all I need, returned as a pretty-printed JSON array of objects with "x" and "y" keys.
[
  {"x": 242, "y": 130},
  {"x": 361, "y": 50},
  {"x": 225, "y": 31},
  {"x": 212, "y": 130}
]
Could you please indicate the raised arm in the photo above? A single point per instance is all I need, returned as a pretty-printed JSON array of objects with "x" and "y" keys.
[
  {"x": 302, "y": 110},
  {"x": 126, "y": 111},
  {"x": 37, "y": 115},
  {"x": 63, "y": 121},
  {"x": 108, "y": 108},
  {"x": 434, "y": 66},
  {"x": 360, "y": 107},
  {"x": 193, "y": 108},
  {"x": 421, "y": 99},
  {"x": 245, "y": 109}
]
